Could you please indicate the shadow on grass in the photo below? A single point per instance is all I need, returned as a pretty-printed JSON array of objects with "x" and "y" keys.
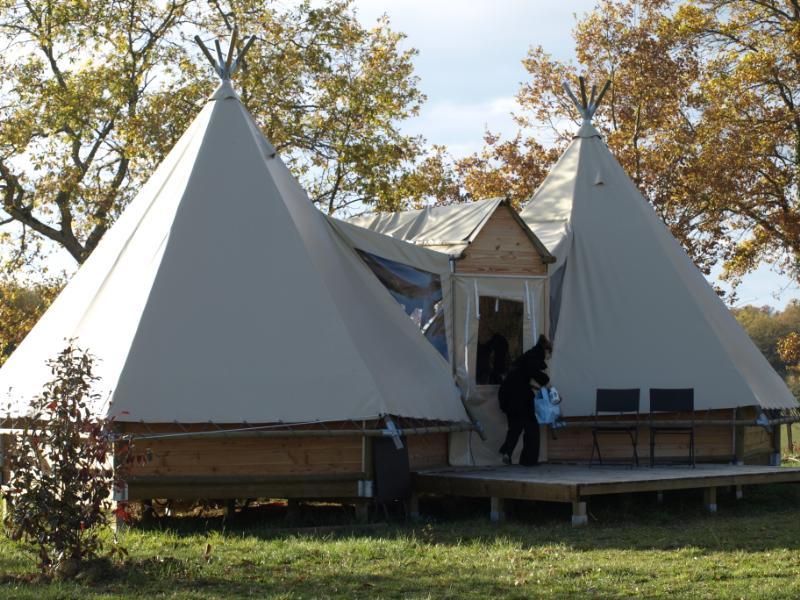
[{"x": 767, "y": 517}]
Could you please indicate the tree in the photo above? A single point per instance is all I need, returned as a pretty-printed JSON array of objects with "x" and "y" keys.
[
  {"x": 777, "y": 335},
  {"x": 703, "y": 114},
  {"x": 97, "y": 93},
  {"x": 20, "y": 308}
]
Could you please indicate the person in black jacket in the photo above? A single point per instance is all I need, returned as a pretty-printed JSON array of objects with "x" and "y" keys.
[{"x": 516, "y": 400}]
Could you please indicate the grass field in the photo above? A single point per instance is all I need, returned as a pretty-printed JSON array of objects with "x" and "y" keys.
[{"x": 632, "y": 547}]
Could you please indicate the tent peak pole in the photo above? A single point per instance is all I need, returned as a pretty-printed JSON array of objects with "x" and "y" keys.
[
  {"x": 225, "y": 65},
  {"x": 586, "y": 106}
]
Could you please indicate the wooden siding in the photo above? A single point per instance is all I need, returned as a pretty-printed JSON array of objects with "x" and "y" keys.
[
  {"x": 712, "y": 444},
  {"x": 502, "y": 248},
  {"x": 427, "y": 451},
  {"x": 246, "y": 456},
  {"x": 280, "y": 456}
]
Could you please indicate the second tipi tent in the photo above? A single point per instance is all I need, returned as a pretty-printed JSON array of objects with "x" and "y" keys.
[{"x": 628, "y": 307}]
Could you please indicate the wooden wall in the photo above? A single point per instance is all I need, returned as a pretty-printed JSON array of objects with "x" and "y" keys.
[
  {"x": 502, "y": 248},
  {"x": 287, "y": 467},
  {"x": 712, "y": 444},
  {"x": 427, "y": 451},
  {"x": 246, "y": 456},
  {"x": 4, "y": 472}
]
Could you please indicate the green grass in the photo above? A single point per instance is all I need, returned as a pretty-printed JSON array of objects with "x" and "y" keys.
[{"x": 632, "y": 547}]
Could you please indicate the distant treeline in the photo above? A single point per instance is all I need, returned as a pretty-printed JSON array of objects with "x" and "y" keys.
[{"x": 775, "y": 333}]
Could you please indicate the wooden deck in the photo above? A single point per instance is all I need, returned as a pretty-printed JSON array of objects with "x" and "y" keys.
[{"x": 575, "y": 483}]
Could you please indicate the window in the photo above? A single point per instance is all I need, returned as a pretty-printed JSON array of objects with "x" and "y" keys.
[
  {"x": 418, "y": 291},
  {"x": 499, "y": 338}
]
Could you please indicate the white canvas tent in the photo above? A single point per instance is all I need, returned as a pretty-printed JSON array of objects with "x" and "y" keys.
[
  {"x": 221, "y": 294},
  {"x": 628, "y": 307}
]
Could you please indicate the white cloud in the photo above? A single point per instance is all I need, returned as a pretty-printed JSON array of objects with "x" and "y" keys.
[{"x": 460, "y": 125}]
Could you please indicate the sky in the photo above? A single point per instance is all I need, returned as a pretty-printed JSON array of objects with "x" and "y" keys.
[{"x": 470, "y": 69}]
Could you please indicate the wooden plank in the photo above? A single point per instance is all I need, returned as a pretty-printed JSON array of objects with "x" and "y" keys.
[
  {"x": 569, "y": 483},
  {"x": 712, "y": 444},
  {"x": 246, "y": 456},
  {"x": 686, "y": 483},
  {"x": 502, "y": 248},
  {"x": 158, "y": 428},
  {"x": 427, "y": 451},
  {"x": 294, "y": 489},
  {"x": 482, "y": 488}
]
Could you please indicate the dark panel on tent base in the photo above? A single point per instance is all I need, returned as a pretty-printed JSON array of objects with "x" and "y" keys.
[{"x": 392, "y": 473}]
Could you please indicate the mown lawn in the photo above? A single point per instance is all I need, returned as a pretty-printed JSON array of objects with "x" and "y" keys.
[{"x": 632, "y": 547}]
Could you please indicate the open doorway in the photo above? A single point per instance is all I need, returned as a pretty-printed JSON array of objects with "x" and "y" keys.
[{"x": 499, "y": 338}]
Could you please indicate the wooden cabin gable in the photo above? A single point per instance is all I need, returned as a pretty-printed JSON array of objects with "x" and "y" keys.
[{"x": 502, "y": 247}]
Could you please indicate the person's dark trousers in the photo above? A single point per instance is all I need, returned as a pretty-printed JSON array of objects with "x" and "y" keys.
[{"x": 518, "y": 424}]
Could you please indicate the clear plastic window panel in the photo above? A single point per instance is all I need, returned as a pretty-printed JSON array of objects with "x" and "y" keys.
[{"x": 418, "y": 291}]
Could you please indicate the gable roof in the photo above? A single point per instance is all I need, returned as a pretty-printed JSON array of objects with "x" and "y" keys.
[
  {"x": 221, "y": 294},
  {"x": 449, "y": 229}
]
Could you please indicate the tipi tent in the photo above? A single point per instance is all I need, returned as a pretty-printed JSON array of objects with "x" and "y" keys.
[
  {"x": 221, "y": 295},
  {"x": 628, "y": 307}
]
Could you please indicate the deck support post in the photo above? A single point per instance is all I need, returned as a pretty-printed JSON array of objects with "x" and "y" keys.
[
  {"x": 775, "y": 456},
  {"x": 739, "y": 492},
  {"x": 710, "y": 499},
  {"x": 292, "y": 509},
  {"x": 579, "y": 515},
  {"x": 230, "y": 509},
  {"x": 660, "y": 497},
  {"x": 497, "y": 511},
  {"x": 147, "y": 511},
  {"x": 413, "y": 507},
  {"x": 738, "y": 437},
  {"x": 362, "y": 511}
]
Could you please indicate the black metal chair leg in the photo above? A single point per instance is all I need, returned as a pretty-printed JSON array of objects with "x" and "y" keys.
[{"x": 652, "y": 449}]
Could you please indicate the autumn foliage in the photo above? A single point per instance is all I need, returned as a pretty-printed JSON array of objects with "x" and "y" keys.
[{"x": 20, "y": 308}]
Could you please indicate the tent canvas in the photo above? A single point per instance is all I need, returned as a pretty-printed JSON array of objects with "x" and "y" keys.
[
  {"x": 629, "y": 309},
  {"x": 221, "y": 294},
  {"x": 451, "y": 231}
]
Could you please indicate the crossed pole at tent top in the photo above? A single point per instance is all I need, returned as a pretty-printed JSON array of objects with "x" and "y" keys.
[
  {"x": 586, "y": 106},
  {"x": 226, "y": 67}
]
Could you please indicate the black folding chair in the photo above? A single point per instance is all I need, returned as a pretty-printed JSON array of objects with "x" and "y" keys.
[
  {"x": 623, "y": 403},
  {"x": 676, "y": 400}
]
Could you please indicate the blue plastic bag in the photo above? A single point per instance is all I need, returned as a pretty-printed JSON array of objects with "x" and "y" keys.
[{"x": 547, "y": 404}]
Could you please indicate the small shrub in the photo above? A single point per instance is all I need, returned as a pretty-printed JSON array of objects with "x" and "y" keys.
[{"x": 60, "y": 479}]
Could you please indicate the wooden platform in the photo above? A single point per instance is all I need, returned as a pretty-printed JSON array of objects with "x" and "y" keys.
[{"x": 575, "y": 483}]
